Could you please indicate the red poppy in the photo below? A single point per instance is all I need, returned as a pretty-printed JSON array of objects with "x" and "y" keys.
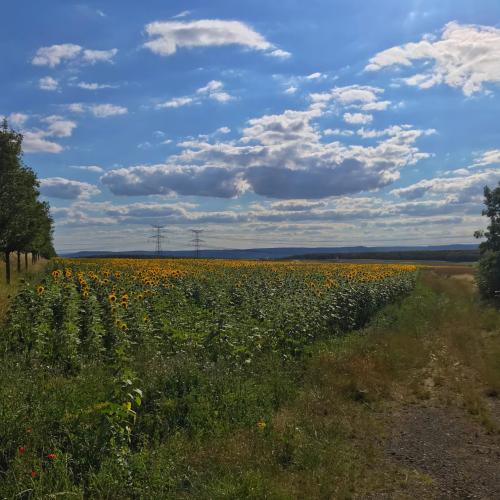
[
  {"x": 51, "y": 456},
  {"x": 21, "y": 450},
  {"x": 34, "y": 473}
]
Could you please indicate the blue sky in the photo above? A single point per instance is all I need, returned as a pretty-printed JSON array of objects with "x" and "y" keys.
[{"x": 263, "y": 123}]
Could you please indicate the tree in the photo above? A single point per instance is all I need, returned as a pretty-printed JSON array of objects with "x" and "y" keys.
[
  {"x": 23, "y": 218},
  {"x": 488, "y": 275}
]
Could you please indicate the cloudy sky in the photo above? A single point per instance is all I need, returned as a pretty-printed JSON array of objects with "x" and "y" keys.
[{"x": 318, "y": 123}]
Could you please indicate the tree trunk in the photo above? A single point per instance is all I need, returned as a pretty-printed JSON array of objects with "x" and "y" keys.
[
  {"x": 18, "y": 262},
  {"x": 25, "y": 261},
  {"x": 33, "y": 257},
  {"x": 7, "y": 267}
]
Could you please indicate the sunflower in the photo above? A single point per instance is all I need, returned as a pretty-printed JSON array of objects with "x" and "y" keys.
[
  {"x": 112, "y": 298},
  {"x": 40, "y": 289}
]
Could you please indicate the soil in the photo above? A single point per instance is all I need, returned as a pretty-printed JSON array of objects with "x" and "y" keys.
[{"x": 457, "y": 455}]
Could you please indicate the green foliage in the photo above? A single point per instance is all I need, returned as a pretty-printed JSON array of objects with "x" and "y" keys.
[
  {"x": 488, "y": 274},
  {"x": 25, "y": 223}
]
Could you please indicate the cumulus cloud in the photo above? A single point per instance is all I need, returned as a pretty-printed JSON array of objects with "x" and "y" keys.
[
  {"x": 357, "y": 118},
  {"x": 94, "y": 86},
  {"x": 59, "y": 187},
  {"x": 94, "y": 56},
  {"x": 176, "y": 102},
  {"x": 98, "y": 110},
  {"x": 36, "y": 142},
  {"x": 490, "y": 157},
  {"x": 89, "y": 168},
  {"x": 460, "y": 186},
  {"x": 278, "y": 156},
  {"x": 360, "y": 98},
  {"x": 212, "y": 90},
  {"x": 59, "y": 126},
  {"x": 55, "y": 54},
  {"x": 17, "y": 119},
  {"x": 465, "y": 56},
  {"x": 166, "y": 37},
  {"x": 337, "y": 131},
  {"x": 168, "y": 179},
  {"x": 106, "y": 110},
  {"x": 48, "y": 83}
]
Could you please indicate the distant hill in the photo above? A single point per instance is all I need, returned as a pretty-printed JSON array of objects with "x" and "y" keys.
[{"x": 456, "y": 252}]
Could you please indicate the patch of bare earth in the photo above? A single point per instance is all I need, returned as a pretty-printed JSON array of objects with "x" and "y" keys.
[{"x": 458, "y": 456}]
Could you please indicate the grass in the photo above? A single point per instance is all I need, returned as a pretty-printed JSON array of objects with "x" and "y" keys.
[
  {"x": 313, "y": 428},
  {"x": 17, "y": 280}
]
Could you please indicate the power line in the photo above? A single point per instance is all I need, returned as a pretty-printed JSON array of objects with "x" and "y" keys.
[
  {"x": 196, "y": 241},
  {"x": 157, "y": 237}
]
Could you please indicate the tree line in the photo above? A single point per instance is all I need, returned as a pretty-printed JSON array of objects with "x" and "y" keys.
[{"x": 26, "y": 226}]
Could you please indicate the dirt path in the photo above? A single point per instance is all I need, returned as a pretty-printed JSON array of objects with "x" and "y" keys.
[{"x": 461, "y": 460}]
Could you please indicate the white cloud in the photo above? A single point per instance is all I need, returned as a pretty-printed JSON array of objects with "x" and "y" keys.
[
  {"x": 212, "y": 86},
  {"x": 166, "y": 37},
  {"x": 359, "y": 97},
  {"x": 98, "y": 110},
  {"x": 278, "y": 156},
  {"x": 291, "y": 90},
  {"x": 357, "y": 118},
  {"x": 184, "y": 13},
  {"x": 461, "y": 186},
  {"x": 223, "y": 130},
  {"x": 465, "y": 56},
  {"x": 35, "y": 142},
  {"x": 337, "y": 131},
  {"x": 94, "y": 86},
  {"x": 76, "y": 107},
  {"x": 59, "y": 187},
  {"x": 48, "y": 83},
  {"x": 490, "y": 157},
  {"x": 280, "y": 54},
  {"x": 106, "y": 110},
  {"x": 56, "y": 54},
  {"x": 93, "y": 56},
  {"x": 212, "y": 90},
  {"x": 175, "y": 102},
  {"x": 17, "y": 119},
  {"x": 314, "y": 76},
  {"x": 59, "y": 126},
  {"x": 89, "y": 168}
]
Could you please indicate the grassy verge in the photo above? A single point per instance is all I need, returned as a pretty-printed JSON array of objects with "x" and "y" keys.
[
  {"x": 17, "y": 279},
  {"x": 312, "y": 428}
]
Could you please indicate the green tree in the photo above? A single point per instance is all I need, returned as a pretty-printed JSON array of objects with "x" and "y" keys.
[
  {"x": 488, "y": 275},
  {"x": 22, "y": 216}
]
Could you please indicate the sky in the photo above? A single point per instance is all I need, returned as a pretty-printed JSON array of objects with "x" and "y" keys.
[{"x": 290, "y": 123}]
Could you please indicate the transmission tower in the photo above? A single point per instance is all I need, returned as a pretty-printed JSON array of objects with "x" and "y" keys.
[
  {"x": 157, "y": 237},
  {"x": 196, "y": 241}
]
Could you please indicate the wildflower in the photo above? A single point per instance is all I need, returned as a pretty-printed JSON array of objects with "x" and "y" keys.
[
  {"x": 261, "y": 425},
  {"x": 21, "y": 450},
  {"x": 34, "y": 473},
  {"x": 40, "y": 289},
  {"x": 51, "y": 456}
]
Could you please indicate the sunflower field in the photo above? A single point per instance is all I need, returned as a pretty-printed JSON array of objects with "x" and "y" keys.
[
  {"x": 104, "y": 309},
  {"x": 115, "y": 371}
]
